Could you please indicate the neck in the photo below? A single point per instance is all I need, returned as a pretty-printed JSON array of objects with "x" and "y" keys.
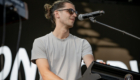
[{"x": 61, "y": 32}]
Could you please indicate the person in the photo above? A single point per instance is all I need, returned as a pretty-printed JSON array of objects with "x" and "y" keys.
[{"x": 58, "y": 54}]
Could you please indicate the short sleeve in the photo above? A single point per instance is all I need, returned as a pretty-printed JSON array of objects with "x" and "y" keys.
[
  {"x": 38, "y": 50},
  {"x": 86, "y": 48}
]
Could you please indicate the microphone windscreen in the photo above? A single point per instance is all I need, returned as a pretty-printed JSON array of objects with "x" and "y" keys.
[{"x": 80, "y": 17}]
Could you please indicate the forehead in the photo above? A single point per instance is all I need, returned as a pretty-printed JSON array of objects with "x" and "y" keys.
[{"x": 69, "y": 5}]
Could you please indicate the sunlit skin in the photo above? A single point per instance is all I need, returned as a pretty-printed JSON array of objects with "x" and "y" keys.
[{"x": 64, "y": 20}]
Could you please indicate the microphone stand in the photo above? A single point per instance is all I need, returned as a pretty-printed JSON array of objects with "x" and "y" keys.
[{"x": 94, "y": 21}]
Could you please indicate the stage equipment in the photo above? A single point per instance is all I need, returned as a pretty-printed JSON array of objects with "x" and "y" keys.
[
  {"x": 20, "y": 7},
  {"x": 13, "y": 9},
  {"x": 91, "y": 14},
  {"x": 95, "y": 21},
  {"x": 99, "y": 71}
]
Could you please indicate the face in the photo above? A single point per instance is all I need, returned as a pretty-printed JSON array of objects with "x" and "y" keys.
[{"x": 67, "y": 15}]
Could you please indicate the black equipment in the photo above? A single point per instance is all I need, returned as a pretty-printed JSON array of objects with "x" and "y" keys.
[
  {"x": 14, "y": 9},
  {"x": 98, "y": 71}
]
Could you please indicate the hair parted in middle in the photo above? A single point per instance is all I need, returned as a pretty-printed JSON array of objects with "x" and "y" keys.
[{"x": 49, "y": 9}]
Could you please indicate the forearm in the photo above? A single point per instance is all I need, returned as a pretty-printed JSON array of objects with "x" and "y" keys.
[
  {"x": 44, "y": 69},
  {"x": 88, "y": 59},
  {"x": 50, "y": 76}
]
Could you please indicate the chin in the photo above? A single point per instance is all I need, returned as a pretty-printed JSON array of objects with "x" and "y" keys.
[{"x": 70, "y": 26}]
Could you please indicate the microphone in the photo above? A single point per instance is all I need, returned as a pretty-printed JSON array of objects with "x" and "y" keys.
[{"x": 92, "y": 14}]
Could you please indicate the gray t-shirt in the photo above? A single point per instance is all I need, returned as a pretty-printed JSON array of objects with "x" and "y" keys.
[{"x": 64, "y": 55}]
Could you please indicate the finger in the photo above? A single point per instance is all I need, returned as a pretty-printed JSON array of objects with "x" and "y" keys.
[{"x": 100, "y": 62}]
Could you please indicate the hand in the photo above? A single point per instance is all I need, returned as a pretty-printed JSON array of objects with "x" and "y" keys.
[{"x": 103, "y": 63}]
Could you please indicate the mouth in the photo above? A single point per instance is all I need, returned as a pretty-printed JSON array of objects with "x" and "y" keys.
[{"x": 72, "y": 19}]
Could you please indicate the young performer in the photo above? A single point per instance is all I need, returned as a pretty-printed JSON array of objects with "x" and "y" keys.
[{"x": 58, "y": 54}]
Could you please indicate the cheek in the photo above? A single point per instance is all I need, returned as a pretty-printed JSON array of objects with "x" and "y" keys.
[{"x": 65, "y": 19}]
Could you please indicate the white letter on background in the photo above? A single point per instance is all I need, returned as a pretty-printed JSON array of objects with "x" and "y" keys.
[
  {"x": 8, "y": 61},
  {"x": 30, "y": 70}
]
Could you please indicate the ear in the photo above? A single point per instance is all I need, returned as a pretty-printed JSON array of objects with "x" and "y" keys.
[{"x": 56, "y": 13}]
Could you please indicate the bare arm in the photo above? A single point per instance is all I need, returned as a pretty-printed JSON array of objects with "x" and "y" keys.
[
  {"x": 88, "y": 59},
  {"x": 44, "y": 70}
]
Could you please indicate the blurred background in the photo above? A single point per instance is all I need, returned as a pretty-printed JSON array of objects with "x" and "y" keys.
[{"x": 107, "y": 44}]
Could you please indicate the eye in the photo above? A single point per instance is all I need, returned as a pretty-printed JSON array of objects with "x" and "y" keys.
[
  {"x": 71, "y": 11},
  {"x": 74, "y": 11}
]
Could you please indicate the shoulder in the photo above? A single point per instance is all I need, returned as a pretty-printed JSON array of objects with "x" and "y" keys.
[{"x": 41, "y": 39}]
